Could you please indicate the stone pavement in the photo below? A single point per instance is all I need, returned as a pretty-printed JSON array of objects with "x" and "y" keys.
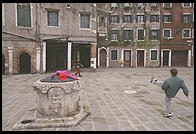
[{"x": 111, "y": 108}]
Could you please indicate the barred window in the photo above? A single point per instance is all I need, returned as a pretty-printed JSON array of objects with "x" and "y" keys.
[
  {"x": 140, "y": 34},
  {"x": 186, "y": 33},
  {"x": 52, "y": 18},
  {"x": 84, "y": 21},
  {"x": 154, "y": 18},
  {"x": 24, "y": 14},
  {"x": 140, "y": 18},
  {"x": 166, "y": 18},
  {"x": 153, "y": 55},
  {"x": 114, "y": 19},
  {"x": 113, "y": 54},
  {"x": 127, "y": 19},
  {"x": 187, "y": 18},
  {"x": 128, "y": 34}
]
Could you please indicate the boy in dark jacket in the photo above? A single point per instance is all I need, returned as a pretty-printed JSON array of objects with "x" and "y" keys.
[{"x": 171, "y": 86}]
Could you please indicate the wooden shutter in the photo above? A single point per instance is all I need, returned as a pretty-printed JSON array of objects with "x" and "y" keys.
[
  {"x": 20, "y": 15},
  {"x": 118, "y": 19},
  {"x": 123, "y": 19},
  {"x": 136, "y": 18},
  {"x": 150, "y": 34},
  {"x": 159, "y": 34},
  {"x": 118, "y": 35},
  {"x": 144, "y": 18},
  {"x": 131, "y": 18},
  {"x": 131, "y": 35}
]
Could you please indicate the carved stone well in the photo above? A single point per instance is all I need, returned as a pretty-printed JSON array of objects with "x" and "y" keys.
[{"x": 57, "y": 106}]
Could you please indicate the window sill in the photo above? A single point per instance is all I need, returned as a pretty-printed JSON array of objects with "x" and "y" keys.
[
  {"x": 186, "y": 37},
  {"x": 113, "y": 60},
  {"x": 84, "y": 28},
  {"x": 113, "y": 40},
  {"x": 54, "y": 26},
  {"x": 167, "y": 22},
  {"x": 153, "y": 60},
  {"x": 22, "y": 27},
  {"x": 140, "y": 40},
  {"x": 154, "y": 40},
  {"x": 127, "y": 40}
]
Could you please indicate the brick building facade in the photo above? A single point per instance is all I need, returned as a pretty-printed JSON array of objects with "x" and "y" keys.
[{"x": 177, "y": 41}]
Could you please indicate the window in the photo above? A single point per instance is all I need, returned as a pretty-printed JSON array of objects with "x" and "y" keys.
[
  {"x": 102, "y": 21},
  {"x": 153, "y": 4},
  {"x": 166, "y": 18},
  {"x": 167, "y": 33},
  {"x": 186, "y": 4},
  {"x": 84, "y": 21},
  {"x": 140, "y": 18},
  {"x": 114, "y": 35},
  {"x": 140, "y": 4},
  {"x": 153, "y": 55},
  {"x": 187, "y": 18},
  {"x": 154, "y": 18},
  {"x": 114, "y": 19},
  {"x": 167, "y": 5},
  {"x": 127, "y": 19},
  {"x": 154, "y": 35},
  {"x": 186, "y": 33},
  {"x": 24, "y": 14},
  {"x": 52, "y": 18},
  {"x": 128, "y": 34},
  {"x": 127, "y": 4},
  {"x": 113, "y": 4},
  {"x": 140, "y": 34},
  {"x": 113, "y": 54}
]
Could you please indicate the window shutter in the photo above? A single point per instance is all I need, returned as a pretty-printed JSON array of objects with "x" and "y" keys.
[
  {"x": 109, "y": 35},
  {"x": 159, "y": 34},
  {"x": 131, "y": 35},
  {"x": 131, "y": 18},
  {"x": 182, "y": 17},
  {"x": 118, "y": 19},
  {"x": 19, "y": 15},
  {"x": 157, "y": 18},
  {"x": 123, "y": 35},
  {"x": 123, "y": 19},
  {"x": 150, "y": 35},
  {"x": 110, "y": 19},
  {"x": 118, "y": 35},
  {"x": 191, "y": 18},
  {"x": 144, "y": 18},
  {"x": 136, "y": 18}
]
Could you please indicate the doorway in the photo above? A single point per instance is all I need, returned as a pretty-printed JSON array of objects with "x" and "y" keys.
[
  {"x": 127, "y": 58},
  {"x": 166, "y": 58},
  {"x": 140, "y": 58},
  {"x": 25, "y": 63},
  {"x": 179, "y": 58},
  {"x": 103, "y": 58}
]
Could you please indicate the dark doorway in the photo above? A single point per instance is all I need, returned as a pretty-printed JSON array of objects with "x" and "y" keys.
[
  {"x": 56, "y": 56},
  {"x": 103, "y": 58},
  {"x": 140, "y": 58},
  {"x": 3, "y": 64},
  {"x": 25, "y": 63},
  {"x": 179, "y": 58},
  {"x": 166, "y": 58},
  {"x": 85, "y": 56},
  {"x": 127, "y": 58}
]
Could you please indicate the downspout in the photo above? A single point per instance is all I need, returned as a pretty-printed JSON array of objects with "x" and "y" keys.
[{"x": 160, "y": 35}]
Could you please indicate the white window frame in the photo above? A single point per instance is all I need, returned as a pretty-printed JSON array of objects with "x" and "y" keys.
[
  {"x": 157, "y": 33},
  {"x": 140, "y": 19},
  {"x": 144, "y": 57},
  {"x": 57, "y": 10},
  {"x": 114, "y": 6},
  {"x": 130, "y": 5},
  {"x": 138, "y": 34},
  {"x": 116, "y": 33},
  {"x": 166, "y": 7},
  {"x": 167, "y": 29},
  {"x": 141, "y": 5},
  {"x": 189, "y": 33},
  {"x": 111, "y": 55},
  {"x": 167, "y": 14},
  {"x": 129, "y": 30},
  {"x": 153, "y": 5},
  {"x": 157, "y": 54},
  {"x": 186, "y": 6},
  {"x": 31, "y": 7},
  {"x": 80, "y": 20},
  {"x": 187, "y": 14},
  {"x": 3, "y": 14},
  {"x": 156, "y": 14}
]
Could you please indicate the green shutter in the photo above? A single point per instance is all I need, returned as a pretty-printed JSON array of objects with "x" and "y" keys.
[
  {"x": 131, "y": 35},
  {"x": 150, "y": 34},
  {"x": 118, "y": 35}
]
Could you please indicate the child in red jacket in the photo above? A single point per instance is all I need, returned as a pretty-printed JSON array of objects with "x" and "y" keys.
[{"x": 77, "y": 67}]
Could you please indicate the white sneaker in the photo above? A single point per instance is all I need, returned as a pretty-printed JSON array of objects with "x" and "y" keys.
[
  {"x": 152, "y": 80},
  {"x": 168, "y": 115}
]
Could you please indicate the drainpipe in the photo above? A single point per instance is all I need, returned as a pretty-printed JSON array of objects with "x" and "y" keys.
[{"x": 160, "y": 35}]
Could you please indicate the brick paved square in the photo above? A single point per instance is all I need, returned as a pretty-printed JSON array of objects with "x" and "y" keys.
[{"x": 111, "y": 108}]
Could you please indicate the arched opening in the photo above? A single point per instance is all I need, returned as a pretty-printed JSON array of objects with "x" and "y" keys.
[
  {"x": 103, "y": 58},
  {"x": 25, "y": 63},
  {"x": 3, "y": 64}
]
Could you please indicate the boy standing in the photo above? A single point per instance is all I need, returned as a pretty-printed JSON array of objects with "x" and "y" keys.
[
  {"x": 171, "y": 86},
  {"x": 77, "y": 67}
]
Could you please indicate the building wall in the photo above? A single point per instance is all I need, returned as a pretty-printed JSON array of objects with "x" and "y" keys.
[{"x": 176, "y": 26}]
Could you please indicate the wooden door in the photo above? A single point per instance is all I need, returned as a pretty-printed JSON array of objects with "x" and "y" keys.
[
  {"x": 127, "y": 58},
  {"x": 103, "y": 58},
  {"x": 166, "y": 58},
  {"x": 140, "y": 58},
  {"x": 25, "y": 63}
]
